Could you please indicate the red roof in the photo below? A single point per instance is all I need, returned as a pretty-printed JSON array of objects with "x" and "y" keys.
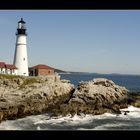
[
  {"x": 9, "y": 66},
  {"x": 2, "y": 65},
  {"x": 41, "y": 66}
]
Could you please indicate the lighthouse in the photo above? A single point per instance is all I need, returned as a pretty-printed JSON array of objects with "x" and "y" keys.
[{"x": 20, "y": 57}]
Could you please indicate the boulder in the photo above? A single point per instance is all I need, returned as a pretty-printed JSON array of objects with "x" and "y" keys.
[{"x": 97, "y": 96}]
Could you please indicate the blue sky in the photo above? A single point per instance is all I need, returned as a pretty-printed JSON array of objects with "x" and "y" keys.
[{"x": 102, "y": 41}]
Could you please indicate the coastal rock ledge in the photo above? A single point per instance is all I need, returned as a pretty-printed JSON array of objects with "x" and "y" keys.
[{"x": 24, "y": 96}]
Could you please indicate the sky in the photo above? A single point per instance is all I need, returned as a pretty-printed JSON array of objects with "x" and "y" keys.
[{"x": 98, "y": 41}]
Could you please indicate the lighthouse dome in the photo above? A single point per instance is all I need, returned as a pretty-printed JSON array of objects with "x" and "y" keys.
[{"x": 21, "y": 21}]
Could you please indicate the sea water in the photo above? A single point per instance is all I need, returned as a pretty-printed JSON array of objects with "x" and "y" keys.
[{"x": 131, "y": 82}]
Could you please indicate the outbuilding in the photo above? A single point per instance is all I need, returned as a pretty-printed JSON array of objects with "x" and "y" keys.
[{"x": 41, "y": 70}]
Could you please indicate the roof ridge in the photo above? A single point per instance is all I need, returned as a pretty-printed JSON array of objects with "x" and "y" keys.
[{"x": 42, "y": 66}]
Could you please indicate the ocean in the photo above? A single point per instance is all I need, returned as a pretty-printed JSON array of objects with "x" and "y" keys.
[
  {"x": 131, "y": 82},
  {"x": 106, "y": 121}
]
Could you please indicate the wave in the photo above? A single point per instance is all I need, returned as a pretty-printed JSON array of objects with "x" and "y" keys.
[{"x": 105, "y": 121}]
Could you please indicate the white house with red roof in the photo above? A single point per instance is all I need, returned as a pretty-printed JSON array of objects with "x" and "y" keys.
[{"x": 8, "y": 68}]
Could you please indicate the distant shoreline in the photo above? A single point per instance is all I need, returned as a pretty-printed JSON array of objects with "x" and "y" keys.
[{"x": 97, "y": 73}]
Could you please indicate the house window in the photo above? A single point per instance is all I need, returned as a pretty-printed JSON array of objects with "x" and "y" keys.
[{"x": 23, "y": 59}]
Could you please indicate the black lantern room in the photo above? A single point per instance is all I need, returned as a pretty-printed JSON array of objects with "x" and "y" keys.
[{"x": 21, "y": 30}]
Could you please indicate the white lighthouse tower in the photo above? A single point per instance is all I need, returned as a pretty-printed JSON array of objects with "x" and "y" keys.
[{"x": 20, "y": 58}]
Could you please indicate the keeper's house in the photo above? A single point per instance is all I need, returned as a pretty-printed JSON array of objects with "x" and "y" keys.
[
  {"x": 8, "y": 68},
  {"x": 41, "y": 70}
]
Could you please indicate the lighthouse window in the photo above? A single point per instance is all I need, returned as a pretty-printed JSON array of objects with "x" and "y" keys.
[{"x": 23, "y": 59}]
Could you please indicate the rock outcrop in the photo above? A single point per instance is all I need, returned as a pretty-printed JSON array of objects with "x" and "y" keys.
[
  {"x": 95, "y": 97},
  {"x": 134, "y": 99},
  {"x": 22, "y": 96}
]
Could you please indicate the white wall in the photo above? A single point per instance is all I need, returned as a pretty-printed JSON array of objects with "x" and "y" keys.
[
  {"x": 20, "y": 59},
  {"x": 8, "y": 71},
  {"x": 2, "y": 70},
  {"x": 15, "y": 72}
]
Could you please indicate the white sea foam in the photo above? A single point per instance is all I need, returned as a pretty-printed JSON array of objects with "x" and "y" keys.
[
  {"x": 9, "y": 125},
  {"x": 131, "y": 109},
  {"x": 78, "y": 122},
  {"x": 38, "y": 128},
  {"x": 112, "y": 126}
]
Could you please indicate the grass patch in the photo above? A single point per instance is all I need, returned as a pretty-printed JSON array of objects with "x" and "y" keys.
[
  {"x": 8, "y": 76},
  {"x": 28, "y": 82}
]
